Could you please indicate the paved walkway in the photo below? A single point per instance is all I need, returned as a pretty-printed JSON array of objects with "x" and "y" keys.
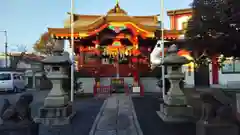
[{"x": 116, "y": 117}]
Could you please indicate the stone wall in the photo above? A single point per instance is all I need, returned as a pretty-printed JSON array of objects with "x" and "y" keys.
[
  {"x": 87, "y": 84},
  {"x": 149, "y": 84}
]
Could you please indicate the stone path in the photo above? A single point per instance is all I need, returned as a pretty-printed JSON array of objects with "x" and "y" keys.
[{"x": 116, "y": 117}]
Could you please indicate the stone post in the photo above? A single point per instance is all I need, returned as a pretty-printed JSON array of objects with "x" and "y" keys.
[{"x": 174, "y": 108}]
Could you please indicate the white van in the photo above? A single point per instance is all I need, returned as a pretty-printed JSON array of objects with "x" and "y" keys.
[{"x": 12, "y": 81}]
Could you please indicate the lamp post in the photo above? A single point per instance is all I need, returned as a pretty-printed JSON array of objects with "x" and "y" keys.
[
  {"x": 72, "y": 45},
  {"x": 162, "y": 46},
  {"x": 6, "y": 47}
]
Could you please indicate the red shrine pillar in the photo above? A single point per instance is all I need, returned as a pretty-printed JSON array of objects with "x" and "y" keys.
[
  {"x": 215, "y": 68},
  {"x": 78, "y": 64},
  {"x": 81, "y": 56},
  {"x": 136, "y": 80}
]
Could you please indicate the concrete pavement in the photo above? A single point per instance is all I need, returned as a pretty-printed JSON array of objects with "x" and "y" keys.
[{"x": 116, "y": 117}]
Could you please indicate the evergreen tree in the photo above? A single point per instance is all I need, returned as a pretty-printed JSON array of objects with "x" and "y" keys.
[
  {"x": 232, "y": 20},
  {"x": 213, "y": 28},
  {"x": 205, "y": 26}
]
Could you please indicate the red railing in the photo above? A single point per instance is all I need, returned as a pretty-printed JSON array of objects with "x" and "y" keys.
[
  {"x": 107, "y": 90},
  {"x": 103, "y": 90},
  {"x": 141, "y": 89}
]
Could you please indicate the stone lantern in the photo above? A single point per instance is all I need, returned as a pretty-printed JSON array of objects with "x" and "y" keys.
[
  {"x": 57, "y": 109},
  {"x": 175, "y": 108}
]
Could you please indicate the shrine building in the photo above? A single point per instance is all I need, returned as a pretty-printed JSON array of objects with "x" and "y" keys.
[{"x": 117, "y": 44}]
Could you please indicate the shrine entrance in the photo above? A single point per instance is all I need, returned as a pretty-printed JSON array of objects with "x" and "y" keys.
[
  {"x": 201, "y": 76},
  {"x": 117, "y": 85}
]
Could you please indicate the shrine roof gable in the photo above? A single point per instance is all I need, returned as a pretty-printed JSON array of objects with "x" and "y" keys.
[
  {"x": 116, "y": 14},
  {"x": 85, "y": 20}
]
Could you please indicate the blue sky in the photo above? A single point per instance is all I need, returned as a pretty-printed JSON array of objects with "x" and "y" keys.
[{"x": 26, "y": 20}]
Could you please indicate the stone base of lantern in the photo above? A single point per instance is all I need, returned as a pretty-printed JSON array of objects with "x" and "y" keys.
[
  {"x": 55, "y": 115},
  {"x": 175, "y": 113},
  {"x": 175, "y": 99},
  {"x": 53, "y": 101}
]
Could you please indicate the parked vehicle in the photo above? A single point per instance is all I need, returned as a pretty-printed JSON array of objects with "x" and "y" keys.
[{"x": 12, "y": 81}]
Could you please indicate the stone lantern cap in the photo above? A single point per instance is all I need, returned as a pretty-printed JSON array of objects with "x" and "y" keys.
[
  {"x": 173, "y": 58},
  {"x": 61, "y": 59}
]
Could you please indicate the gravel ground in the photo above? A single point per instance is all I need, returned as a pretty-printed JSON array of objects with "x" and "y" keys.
[{"x": 150, "y": 122}]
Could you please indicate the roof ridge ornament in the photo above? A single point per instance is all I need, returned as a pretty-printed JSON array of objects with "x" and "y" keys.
[{"x": 117, "y": 9}]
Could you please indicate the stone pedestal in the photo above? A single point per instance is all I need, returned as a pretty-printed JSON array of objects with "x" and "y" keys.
[
  {"x": 175, "y": 108},
  {"x": 57, "y": 109},
  {"x": 55, "y": 115},
  {"x": 57, "y": 96},
  {"x": 174, "y": 114},
  {"x": 220, "y": 128}
]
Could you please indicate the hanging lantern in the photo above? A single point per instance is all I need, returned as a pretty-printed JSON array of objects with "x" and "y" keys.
[
  {"x": 97, "y": 46},
  {"x": 126, "y": 53},
  {"x": 130, "y": 53}
]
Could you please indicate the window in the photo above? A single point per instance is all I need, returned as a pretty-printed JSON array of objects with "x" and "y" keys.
[
  {"x": 35, "y": 65},
  {"x": 55, "y": 69},
  {"x": 14, "y": 76},
  {"x": 89, "y": 58},
  {"x": 5, "y": 76},
  {"x": 237, "y": 66},
  {"x": 184, "y": 25},
  {"x": 231, "y": 66},
  {"x": 105, "y": 61},
  {"x": 22, "y": 77}
]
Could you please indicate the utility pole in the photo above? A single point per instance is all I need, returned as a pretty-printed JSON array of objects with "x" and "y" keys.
[
  {"x": 72, "y": 45},
  {"x": 6, "y": 48},
  {"x": 162, "y": 46}
]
